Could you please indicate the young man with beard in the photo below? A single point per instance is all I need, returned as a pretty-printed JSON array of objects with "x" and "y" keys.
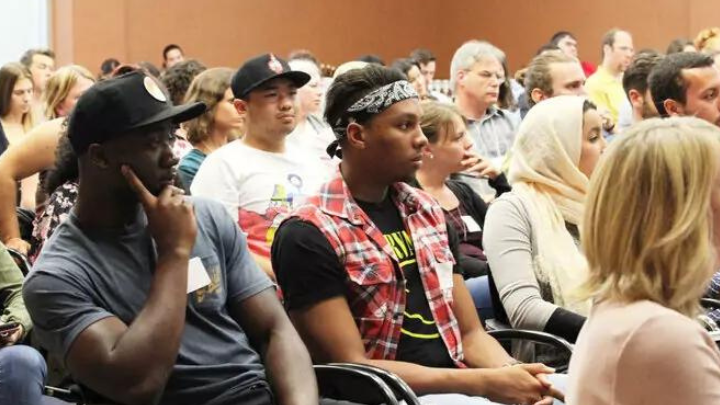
[
  {"x": 687, "y": 84},
  {"x": 637, "y": 89}
]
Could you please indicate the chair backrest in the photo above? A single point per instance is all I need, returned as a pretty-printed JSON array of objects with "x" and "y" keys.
[
  {"x": 71, "y": 395},
  {"x": 400, "y": 388},
  {"x": 21, "y": 260},
  {"x": 25, "y": 222},
  {"x": 77, "y": 394},
  {"x": 561, "y": 348},
  {"x": 354, "y": 385},
  {"x": 710, "y": 303}
]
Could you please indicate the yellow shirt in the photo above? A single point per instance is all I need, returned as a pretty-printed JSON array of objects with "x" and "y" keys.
[{"x": 606, "y": 91}]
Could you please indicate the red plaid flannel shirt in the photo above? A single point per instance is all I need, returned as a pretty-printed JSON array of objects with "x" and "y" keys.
[{"x": 376, "y": 285}]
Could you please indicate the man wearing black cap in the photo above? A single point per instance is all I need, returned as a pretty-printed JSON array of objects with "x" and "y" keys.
[
  {"x": 148, "y": 295},
  {"x": 257, "y": 177}
]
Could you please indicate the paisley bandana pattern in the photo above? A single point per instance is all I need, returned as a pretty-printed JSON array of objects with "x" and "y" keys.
[{"x": 383, "y": 97}]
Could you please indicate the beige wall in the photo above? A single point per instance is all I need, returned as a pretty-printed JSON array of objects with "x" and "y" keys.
[{"x": 225, "y": 32}]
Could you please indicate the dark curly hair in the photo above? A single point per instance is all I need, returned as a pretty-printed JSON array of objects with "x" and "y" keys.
[
  {"x": 66, "y": 164},
  {"x": 177, "y": 79}
]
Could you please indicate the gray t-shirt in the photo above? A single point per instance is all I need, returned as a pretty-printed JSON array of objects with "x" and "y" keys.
[{"x": 83, "y": 277}]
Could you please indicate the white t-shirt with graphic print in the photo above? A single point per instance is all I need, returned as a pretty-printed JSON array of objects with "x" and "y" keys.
[{"x": 255, "y": 186}]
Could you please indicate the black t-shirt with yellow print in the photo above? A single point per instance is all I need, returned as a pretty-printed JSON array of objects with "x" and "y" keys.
[
  {"x": 420, "y": 340},
  {"x": 309, "y": 272}
]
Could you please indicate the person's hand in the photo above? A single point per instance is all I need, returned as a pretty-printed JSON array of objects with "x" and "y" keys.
[
  {"x": 171, "y": 218},
  {"x": 524, "y": 384},
  {"x": 476, "y": 166},
  {"x": 11, "y": 337},
  {"x": 18, "y": 244}
]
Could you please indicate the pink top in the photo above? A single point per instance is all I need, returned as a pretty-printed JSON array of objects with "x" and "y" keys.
[{"x": 643, "y": 354}]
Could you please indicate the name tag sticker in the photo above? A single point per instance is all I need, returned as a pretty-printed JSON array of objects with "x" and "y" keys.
[
  {"x": 470, "y": 223},
  {"x": 197, "y": 275},
  {"x": 445, "y": 275}
]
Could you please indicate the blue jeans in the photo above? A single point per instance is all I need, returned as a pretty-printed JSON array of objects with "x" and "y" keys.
[
  {"x": 22, "y": 375},
  {"x": 559, "y": 382}
]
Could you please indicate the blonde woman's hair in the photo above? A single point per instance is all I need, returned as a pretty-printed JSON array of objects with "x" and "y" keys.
[
  {"x": 708, "y": 40},
  {"x": 647, "y": 227},
  {"x": 59, "y": 85},
  {"x": 437, "y": 119},
  {"x": 208, "y": 87}
]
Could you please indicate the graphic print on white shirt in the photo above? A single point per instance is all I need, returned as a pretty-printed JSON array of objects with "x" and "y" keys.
[{"x": 255, "y": 186}]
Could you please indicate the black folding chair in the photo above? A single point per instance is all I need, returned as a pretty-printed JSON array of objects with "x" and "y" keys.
[
  {"x": 353, "y": 384},
  {"x": 21, "y": 260},
  {"x": 499, "y": 328},
  {"x": 25, "y": 220},
  {"x": 74, "y": 394},
  {"x": 710, "y": 303},
  {"x": 400, "y": 388},
  {"x": 556, "y": 342},
  {"x": 335, "y": 381}
]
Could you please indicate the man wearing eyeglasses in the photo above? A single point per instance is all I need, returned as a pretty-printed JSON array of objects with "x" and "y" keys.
[
  {"x": 476, "y": 76},
  {"x": 605, "y": 87}
]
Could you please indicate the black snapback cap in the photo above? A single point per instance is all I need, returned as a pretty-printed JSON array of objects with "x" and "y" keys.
[
  {"x": 261, "y": 69},
  {"x": 121, "y": 104}
]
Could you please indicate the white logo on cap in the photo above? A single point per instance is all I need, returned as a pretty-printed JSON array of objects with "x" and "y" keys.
[
  {"x": 153, "y": 89},
  {"x": 275, "y": 65}
]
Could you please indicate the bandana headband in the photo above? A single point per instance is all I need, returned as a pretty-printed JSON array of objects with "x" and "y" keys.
[
  {"x": 374, "y": 102},
  {"x": 383, "y": 97}
]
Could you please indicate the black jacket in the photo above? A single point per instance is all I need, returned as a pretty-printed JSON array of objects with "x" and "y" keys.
[{"x": 476, "y": 207}]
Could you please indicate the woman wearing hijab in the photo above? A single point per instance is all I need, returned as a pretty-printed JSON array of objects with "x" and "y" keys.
[{"x": 531, "y": 234}]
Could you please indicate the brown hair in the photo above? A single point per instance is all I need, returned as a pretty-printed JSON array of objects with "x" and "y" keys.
[
  {"x": 438, "y": 118},
  {"x": 609, "y": 39},
  {"x": 27, "y": 58},
  {"x": 538, "y": 72},
  {"x": 208, "y": 87},
  {"x": 9, "y": 76}
]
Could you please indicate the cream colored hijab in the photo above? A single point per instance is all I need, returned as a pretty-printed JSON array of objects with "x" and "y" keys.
[{"x": 545, "y": 176}]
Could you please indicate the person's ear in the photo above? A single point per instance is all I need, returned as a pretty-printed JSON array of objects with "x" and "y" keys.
[
  {"x": 461, "y": 75},
  {"x": 636, "y": 99},
  {"x": 673, "y": 108},
  {"x": 606, "y": 50},
  {"x": 97, "y": 154},
  {"x": 356, "y": 136},
  {"x": 241, "y": 106},
  {"x": 537, "y": 95}
]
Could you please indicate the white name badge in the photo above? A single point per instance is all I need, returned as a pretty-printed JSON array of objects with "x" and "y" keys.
[
  {"x": 445, "y": 275},
  {"x": 197, "y": 275},
  {"x": 470, "y": 223}
]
